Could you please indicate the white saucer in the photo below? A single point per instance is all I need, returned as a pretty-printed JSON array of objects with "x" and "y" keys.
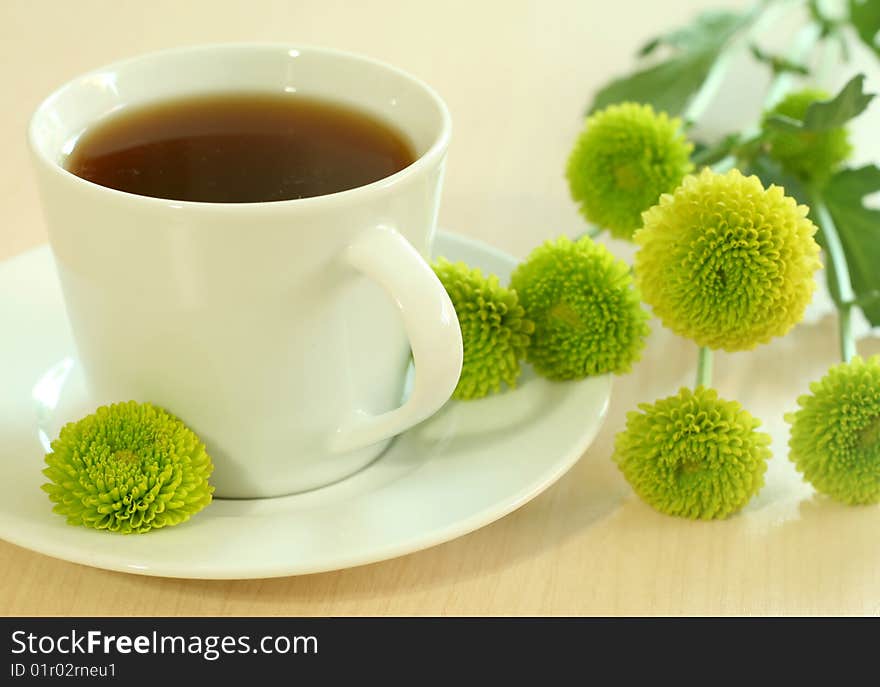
[{"x": 469, "y": 465}]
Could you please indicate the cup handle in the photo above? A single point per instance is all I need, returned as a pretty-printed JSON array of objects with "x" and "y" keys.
[{"x": 386, "y": 257}]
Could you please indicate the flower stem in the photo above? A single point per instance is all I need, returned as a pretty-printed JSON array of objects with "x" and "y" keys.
[
  {"x": 845, "y": 331},
  {"x": 804, "y": 42},
  {"x": 845, "y": 294},
  {"x": 708, "y": 90},
  {"x": 704, "y": 367},
  {"x": 762, "y": 17}
]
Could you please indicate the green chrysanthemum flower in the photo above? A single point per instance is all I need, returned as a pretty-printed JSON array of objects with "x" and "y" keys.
[
  {"x": 588, "y": 317},
  {"x": 128, "y": 467},
  {"x": 625, "y": 158},
  {"x": 835, "y": 436},
  {"x": 809, "y": 155},
  {"x": 725, "y": 262},
  {"x": 693, "y": 455},
  {"x": 494, "y": 329}
]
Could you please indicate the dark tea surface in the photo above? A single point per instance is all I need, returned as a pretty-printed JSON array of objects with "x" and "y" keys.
[{"x": 239, "y": 148}]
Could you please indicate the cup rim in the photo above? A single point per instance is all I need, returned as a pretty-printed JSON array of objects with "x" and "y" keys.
[{"x": 436, "y": 150}]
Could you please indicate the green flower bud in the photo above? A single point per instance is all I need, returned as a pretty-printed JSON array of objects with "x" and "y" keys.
[
  {"x": 626, "y": 157},
  {"x": 494, "y": 329},
  {"x": 588, "y": 317},
  {"x": 835, "y": 436},
  {"x": 128, "y": 467},
  {"x": 726, "y": 263},
  {"x": 811, "y": 156},
  {"x": 693, "y": 455}
]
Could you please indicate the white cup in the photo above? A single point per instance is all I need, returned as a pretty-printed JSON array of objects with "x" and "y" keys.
[{"x": 280, "y": 332}]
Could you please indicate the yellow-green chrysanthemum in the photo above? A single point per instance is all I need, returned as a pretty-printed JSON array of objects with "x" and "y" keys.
[
  {"x": 625, "y": 158},
  {"x": 588, "y": 317},
  {"x": 809, "y": 155},
  {"x": 725, "y": 262},
  {"x": 693, "y": 455},
  {"x": 494, "y": 329},
  {"x": 128, "y": 467},
  {"x": 835, "y": 436}
]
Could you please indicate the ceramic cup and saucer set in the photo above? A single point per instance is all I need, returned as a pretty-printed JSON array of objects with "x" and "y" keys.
[{"x": 307, "y": 342}]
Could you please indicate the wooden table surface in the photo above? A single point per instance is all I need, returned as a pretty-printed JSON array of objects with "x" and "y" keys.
[{"x": 516, "y": 76}]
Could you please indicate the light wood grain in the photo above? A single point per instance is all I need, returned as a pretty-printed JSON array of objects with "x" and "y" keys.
[{"x": 516, "y": 76}]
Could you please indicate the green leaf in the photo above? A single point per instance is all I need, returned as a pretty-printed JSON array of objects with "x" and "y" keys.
[
  {"x": 670, "y": 84},
  {"x": 859, "y": 230},
  {"x": 831, "y": 114},
  {"x": 778, "y": 64},
  {"x": 667, "y": 87},
  {"x": 706, "y": 32},
  {"x": 823, "y": 115},
  {"x": 865, "y": 17}
]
